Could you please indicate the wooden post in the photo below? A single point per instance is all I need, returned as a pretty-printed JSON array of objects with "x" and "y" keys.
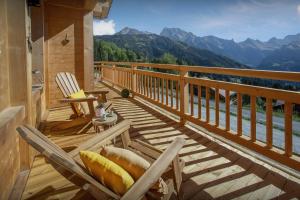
[{"x": 184, "y": 95}]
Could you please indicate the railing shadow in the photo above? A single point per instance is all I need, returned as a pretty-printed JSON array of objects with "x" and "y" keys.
[{"x": 212, "y": 171}]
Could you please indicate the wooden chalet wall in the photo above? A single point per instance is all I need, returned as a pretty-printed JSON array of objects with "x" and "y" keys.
[{"x": 69, "y": 43}]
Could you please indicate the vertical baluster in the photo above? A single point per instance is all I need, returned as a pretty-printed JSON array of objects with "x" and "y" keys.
[
  {"x": 192, "y": 99},
  {"x": 154, "y": 89},
  {"x": 207, "y": 96},
  {"x": 138, "y": 83},
  {"x": 158, "y": 88},
  {"x": 269, "y": 122},
  {"x": 150, "y": 78},
  {"x": 144, "y": 85},
  {"x": 239, "y": 114},
  {"x": 172, "y": 86},
  {"x": 167, "y": 92},
  {"x": 127, "y": 73},
  {"x": 253, "y": 118},
  {"x": 217, "y": 107},
  {"x": 162, "y": 91},
  {"x": 288, "y": 120},
  {"x": 142, "y": 76},
  {"x": 177, "y": 95},
  {"x": 199, "y": 102},
  {"x": 227, "y": 105},
  {"x": 147, "y": 86}
]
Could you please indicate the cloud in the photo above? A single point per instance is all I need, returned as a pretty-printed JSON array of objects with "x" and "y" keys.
[
  {"x": 104, "y": 27},
  {"x": 298, "y": 9}
]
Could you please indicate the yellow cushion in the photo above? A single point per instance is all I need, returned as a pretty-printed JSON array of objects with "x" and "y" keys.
[
  {"x": 107, "y": 172},
  {"x": 77, "y": 95},
  {"x": 81, "y": 107},
  {"x": 134, "y": 164}
]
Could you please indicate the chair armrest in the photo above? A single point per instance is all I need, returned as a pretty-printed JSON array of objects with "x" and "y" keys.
[
  {"x": 78, "y": 100},
  {"x": 97, "y": 92},
  {"x": 99, "y": 140},
  {"x": 155, "y": 171}
]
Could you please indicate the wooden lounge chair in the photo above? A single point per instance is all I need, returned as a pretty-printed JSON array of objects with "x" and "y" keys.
[
  {"x": 70, "y": 166},
  {"x": 68, "y": 85}
]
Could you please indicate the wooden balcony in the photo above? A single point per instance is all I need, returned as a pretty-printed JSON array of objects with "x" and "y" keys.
[{"x": 215, "y": 169}]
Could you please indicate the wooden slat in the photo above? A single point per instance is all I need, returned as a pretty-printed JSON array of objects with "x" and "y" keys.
[
  {"x": 199, "y": 102},
  {"x": 172, "y": 96},
  {"x": 192, "y": 99},
  {"x": 288, "y": 117},
  {"x": 155, "y": 171},
  {"x": 239, "y": 114},
  {"x": 147, "y": 85},
  {"x": 162, "y": 90},
  {"x": 217, "y": 97},
  {"x": 253, "y": 118},
  {"x": 177, "y": 95},
  {"x": 158, "y": 88},
  {"x": 150, "y": 79},
  {"x": 155, "y": 88},
  {"x": 269, "y": 122},
  {"x": 207, "y": 96},
  {"x": 227, "y": 105},
  {"x": 158, "y": 74},
  {"x": 167, "y": 92}
]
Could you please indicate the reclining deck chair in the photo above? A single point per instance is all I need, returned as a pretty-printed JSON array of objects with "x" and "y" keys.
[
  {"x": 70, "y": 166},
  {"x": 68, "y": 85}
]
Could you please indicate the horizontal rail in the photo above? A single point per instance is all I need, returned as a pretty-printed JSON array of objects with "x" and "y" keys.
[
  {"x": 251, "y": 73},
  {"x": 199, "y": 100}
]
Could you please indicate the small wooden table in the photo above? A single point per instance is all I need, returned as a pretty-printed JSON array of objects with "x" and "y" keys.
[{"x": 110, "y": 121}]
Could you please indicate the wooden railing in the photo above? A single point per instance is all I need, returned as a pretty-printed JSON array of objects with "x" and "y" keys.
[{"x": 176, "y": 93}]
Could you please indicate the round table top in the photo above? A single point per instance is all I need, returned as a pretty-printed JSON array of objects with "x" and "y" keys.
[{"x": 110, "y": 120}]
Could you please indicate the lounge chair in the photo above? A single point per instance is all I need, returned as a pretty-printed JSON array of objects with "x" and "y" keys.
[
  {"x": 70, "y": 166},
  {"x": 68, "y": 85}
]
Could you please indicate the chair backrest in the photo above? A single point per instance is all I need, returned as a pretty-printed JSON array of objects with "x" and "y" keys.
[
  {"x": 67, "y": 83},
  {"x": 58, "y": 157}
]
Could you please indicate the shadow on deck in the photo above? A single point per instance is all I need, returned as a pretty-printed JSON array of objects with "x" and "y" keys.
[{"x": 212, "y": 171}]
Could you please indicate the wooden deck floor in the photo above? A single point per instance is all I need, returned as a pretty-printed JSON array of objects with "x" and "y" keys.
[{"x": 212, "y": 171}]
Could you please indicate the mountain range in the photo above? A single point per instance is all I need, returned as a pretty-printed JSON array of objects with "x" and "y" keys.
[
  {"x": 274, "y": 54},
  {"x": 153, "y": 47}
]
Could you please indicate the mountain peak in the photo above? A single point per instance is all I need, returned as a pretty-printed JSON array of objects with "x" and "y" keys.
[
  {"x": 177, "y": 34},
  {"x": 131, "y": 31}
]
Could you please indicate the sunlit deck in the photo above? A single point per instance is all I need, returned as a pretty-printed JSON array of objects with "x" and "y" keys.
[{"x": 213, "y": 170}]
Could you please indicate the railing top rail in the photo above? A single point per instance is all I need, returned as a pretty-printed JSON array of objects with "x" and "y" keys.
[{"x": 251, "y": 73}]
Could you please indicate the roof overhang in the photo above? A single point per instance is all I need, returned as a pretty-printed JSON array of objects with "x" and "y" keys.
[{"x": 100, "y": 8}]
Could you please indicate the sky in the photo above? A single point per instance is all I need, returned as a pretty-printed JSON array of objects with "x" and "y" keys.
[{"x": 228, "y": 19}]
